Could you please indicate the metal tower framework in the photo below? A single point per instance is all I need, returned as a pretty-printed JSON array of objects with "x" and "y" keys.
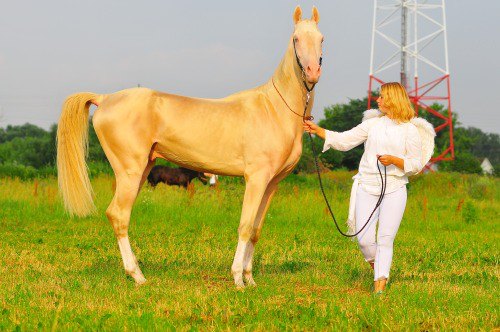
[{"x": 422, "y": 46}]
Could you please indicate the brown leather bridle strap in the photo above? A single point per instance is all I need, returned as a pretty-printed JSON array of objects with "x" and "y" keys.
[{"x": 302, "y": 116}]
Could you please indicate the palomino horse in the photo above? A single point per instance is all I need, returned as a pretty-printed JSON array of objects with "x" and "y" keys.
[{"x": 255, "y": 133}]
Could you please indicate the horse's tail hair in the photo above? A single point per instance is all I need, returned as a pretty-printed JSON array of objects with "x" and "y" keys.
[{"x": 72, "y": 149}]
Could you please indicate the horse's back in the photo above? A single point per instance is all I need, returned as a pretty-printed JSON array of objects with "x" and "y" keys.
[
  {"x": 216, "y": 135},
  {"x": 125, "y": 106},
  {"x": 135, "y": 104}
]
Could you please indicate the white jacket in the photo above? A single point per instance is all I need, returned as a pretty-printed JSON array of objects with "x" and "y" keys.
[{"x": 412, "y": 141}]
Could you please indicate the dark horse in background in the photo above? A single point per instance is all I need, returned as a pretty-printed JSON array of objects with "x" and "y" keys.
[{"x": 174, "y": 176}]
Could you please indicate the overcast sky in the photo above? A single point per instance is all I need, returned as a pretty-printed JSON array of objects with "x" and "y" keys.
[{"x": 50, "y": 49}]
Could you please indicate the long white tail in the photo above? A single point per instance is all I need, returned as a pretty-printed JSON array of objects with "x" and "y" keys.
[{"x": 72, "y": 146}]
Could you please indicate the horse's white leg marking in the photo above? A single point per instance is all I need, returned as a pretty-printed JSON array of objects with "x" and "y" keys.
[
  {"x": 129, "y": 260},
  {"x": 255, "y": 189},
  {"x": 257, "y": 227},
  {"x": 237, "y": 267},
  {"x": 247, "y": 264}
]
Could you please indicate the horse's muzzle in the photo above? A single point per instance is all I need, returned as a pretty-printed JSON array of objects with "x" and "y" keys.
[{"x": 313, "y": 73}]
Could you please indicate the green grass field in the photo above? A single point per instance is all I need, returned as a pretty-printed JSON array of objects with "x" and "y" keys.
[{"x": 66, "y": 274}]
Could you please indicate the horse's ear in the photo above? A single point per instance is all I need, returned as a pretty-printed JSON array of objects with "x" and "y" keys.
[
  {"x": 315, "y": 15},
  {"x": 297, "y": 15}
]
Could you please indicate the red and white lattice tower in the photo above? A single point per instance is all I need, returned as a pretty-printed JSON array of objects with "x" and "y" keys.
[{"x": 412, "y": 34}]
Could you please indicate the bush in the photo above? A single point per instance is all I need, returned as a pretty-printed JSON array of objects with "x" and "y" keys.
[
  {"x": 463, "y": 163},
  {"x": 22, "y": 172},
  {"x": 17, "y": 171},
  {"x": 481, "y": 187}
]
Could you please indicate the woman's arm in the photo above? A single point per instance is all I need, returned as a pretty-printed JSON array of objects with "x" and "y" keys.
[
  {"x": 343, "y": 141},
  {"x": 411, "y": 164},
  {"x": 413, "y": 156}
]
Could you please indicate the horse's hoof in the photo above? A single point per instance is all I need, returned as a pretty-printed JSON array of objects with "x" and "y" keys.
[
  {"x": 140, "y": 280},
  {"x": 238, "y": 281},
  {"x": 249, "y": 281},
  {"x": 240, "y": 285},
  {"x": 138, "y": 277}
]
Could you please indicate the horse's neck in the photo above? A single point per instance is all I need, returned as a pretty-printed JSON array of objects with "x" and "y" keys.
[{"x": 288, "y": 83}]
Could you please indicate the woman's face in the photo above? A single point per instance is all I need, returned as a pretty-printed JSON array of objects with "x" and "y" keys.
[{"x": 380, "y": 102}]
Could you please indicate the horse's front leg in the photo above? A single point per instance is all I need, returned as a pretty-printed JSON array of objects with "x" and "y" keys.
[
  {"x": 257, "y": 228},
  {"x": 256, "y": 185}
]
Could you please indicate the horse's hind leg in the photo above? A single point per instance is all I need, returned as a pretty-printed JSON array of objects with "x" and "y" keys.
[{"x": 128, "y": 183}]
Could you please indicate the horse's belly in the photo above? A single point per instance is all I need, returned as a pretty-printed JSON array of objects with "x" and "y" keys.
[{"x": 200, "y": 158}]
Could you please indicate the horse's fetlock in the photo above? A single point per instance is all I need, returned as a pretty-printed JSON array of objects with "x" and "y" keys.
[
  {"x": 245, "y": 233},
  {"x": 120, "y": 232}
]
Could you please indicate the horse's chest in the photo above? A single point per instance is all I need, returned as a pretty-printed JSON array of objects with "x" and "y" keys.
[
  {"x": 296, "y": 151},
  {"x": 293, "y": 155}
]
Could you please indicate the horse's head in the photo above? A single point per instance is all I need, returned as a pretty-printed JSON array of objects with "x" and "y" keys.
[{"x": 308, "y": 41}]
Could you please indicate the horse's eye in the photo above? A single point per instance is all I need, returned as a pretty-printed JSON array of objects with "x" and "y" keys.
[{"x": 295, "y": 39}]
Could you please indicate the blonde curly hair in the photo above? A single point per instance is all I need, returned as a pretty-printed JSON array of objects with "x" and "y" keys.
[{"x": 397, "y": 102}]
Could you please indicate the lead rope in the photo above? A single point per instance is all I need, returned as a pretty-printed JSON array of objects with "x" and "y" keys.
[
  {"x": 304, "y": 118},
  {"x": 382, "y": 191}
]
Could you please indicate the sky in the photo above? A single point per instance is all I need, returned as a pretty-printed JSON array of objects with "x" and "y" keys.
[{"x": 51, "y": 49}]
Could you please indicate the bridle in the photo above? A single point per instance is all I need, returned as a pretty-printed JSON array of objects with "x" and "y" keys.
[
  {"x": 315, "y": 157},
  {"x": 308, "y": 90},
  {"x": 303, "y": 70}
]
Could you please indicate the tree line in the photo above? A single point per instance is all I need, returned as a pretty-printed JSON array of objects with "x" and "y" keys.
[{"x": 29, "y": 148}]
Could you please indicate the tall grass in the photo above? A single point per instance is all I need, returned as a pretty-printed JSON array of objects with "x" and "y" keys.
[{"x": 63, "y": 273}]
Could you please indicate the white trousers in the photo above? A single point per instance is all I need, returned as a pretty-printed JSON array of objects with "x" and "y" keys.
[{"x": 377, "y": 246}]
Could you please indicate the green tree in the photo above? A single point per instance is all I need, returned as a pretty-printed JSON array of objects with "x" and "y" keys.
[
  {"x": 484, "y": 145},
  {"x": 26, "y": 130},
  {"x": 28, "y": 151},
  {"x": 463, "y": 163}
]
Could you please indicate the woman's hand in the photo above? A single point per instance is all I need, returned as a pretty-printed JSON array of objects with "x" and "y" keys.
[
  {"x": 313, "y": 128},
  {"x": 387, "y": 160}
]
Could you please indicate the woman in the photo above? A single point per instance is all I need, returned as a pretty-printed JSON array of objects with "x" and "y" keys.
[{"x": 391, "y": 138}]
